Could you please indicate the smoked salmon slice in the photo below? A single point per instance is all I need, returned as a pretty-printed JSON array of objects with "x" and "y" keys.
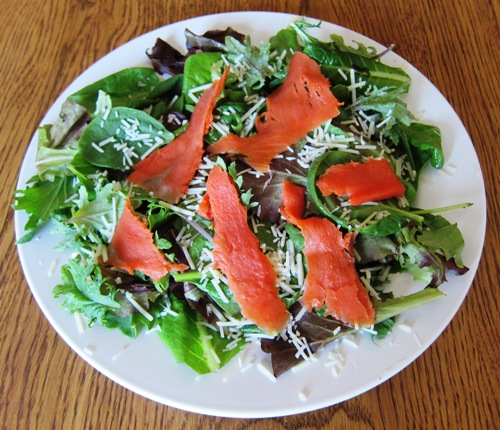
[
  {"x": 132, "y": 248},
  {"x": 251, "y": 276},
  {"x": 361, "y": 182},
  {"x": 331, "y": 279},
  {"x": 303, "y": 102},
  {"x": 168, "y": 171},
  {"x": 204, "y": 208}
]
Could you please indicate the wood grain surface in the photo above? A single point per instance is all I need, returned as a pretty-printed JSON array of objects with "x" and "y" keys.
[{"x": 47, "y": 44}]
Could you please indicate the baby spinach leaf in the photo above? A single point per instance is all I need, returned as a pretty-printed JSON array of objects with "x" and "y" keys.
[
  {"x": 386, "y": 226},
  {"x": 285, "y": 41},
  {"x": 129, "y": 87},
  {"x": 197, "y": 72},
  {"x": 122, "y": 138},
  {"x": 228, "y": 303},
  {"x": 426, "y": 138},
  {"x": 317, "y": 168}
]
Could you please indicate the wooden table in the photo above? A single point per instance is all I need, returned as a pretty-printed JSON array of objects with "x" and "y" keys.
[{"x": 47, "y": 44}]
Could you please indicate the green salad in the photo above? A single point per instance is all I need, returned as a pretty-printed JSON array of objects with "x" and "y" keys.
[{"x": 85, "y": 157}]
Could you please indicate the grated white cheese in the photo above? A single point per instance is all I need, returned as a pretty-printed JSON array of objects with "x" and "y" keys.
[
  {"x": 89, "y": 349},
  {"x": 80, "y": 322},
  {"x": 350, "y": 341},
  {"x": 53, "y": 267},
  {"x": 137, "y": 306},
  {"x": 417, "y": 339},
  {"x": 405, "y": 327},
  {"x": 266, "y": 371},
  {"x": 115, "y": 357}
]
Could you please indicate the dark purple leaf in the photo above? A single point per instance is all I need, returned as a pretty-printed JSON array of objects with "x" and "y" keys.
[
  {"x": 212, "y": 40},
  {"x": 175, "y": 249},
  {"x": 452, "y": 267},
  {"x": 196, "y": 299},
  {"x": 375, "y": 248},
  {"x": 317, "y": 330},
  {"x": 174, "y": 120},
  {"x": 268, "y": 187},
  {"x": 200, "y": 303},
  {"x": 137, "y": 288},
  {"x": 166, "y": 59},
  {"x": 69, "y": 126}
]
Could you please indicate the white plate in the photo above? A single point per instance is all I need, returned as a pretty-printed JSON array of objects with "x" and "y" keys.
[{"x": 147, "y": 367}]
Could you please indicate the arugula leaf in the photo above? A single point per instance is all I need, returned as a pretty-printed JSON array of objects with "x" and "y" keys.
[
  {"x": 359, "y": 49},
  {"x": 255, "y": 60},
  {"x": 335, "y": 55},
  {"x": 372, "y": 72},
  {"x": 41, "y": 200},
  {"x": 388, "y": 103},
  {"x": 85, "y": 291},
  {"x": 207, "y": 351},
  {"x": 441, "y": 236}
]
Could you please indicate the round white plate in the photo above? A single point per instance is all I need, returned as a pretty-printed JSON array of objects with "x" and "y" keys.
[{"x": 244, "y": 388}]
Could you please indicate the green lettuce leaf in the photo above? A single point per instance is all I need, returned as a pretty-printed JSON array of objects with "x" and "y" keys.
[
  {"x": 206, "y": 352},
  {"x": 99, "y": 216},
  {"x": 395, "y": 306}
]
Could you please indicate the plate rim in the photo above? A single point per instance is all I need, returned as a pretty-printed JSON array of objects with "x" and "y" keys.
[{"x": 197, "y": 408}]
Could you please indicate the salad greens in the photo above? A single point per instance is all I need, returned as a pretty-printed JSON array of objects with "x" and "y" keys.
[{"x": 85, "y": 156}]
